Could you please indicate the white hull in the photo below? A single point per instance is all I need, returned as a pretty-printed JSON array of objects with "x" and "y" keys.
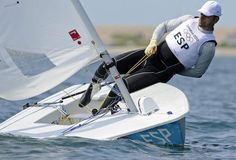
[{"x": 165, "y": 126}]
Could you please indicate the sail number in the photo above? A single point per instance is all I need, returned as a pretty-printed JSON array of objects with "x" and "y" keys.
[{"x": 160, "y": 135}]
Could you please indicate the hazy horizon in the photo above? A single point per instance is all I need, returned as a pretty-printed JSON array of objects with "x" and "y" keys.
[{"x": 149, "y": 12}]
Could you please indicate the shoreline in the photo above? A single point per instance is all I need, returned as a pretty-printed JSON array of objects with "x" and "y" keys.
[
  {"x": 224, "y": 36},
  {"x": 226, "y": 51},
  {"x": 220, "y": 51}
]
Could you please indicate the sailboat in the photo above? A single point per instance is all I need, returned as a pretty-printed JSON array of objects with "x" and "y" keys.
[{"x": 43, "y": 43}]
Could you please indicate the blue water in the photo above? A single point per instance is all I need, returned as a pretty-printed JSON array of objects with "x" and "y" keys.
[{"x": 210, "y": 125}]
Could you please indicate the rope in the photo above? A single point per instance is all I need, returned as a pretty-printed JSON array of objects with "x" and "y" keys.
[{"x": 143, "y": 59}]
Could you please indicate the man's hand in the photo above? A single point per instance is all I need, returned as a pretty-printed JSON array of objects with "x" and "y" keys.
[{"x": 151, "y": 48}]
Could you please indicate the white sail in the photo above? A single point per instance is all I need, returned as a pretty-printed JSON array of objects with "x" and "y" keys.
[{"x": 42, "y": 43}]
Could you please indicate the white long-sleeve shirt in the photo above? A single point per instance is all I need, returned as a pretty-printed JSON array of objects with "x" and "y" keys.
[{"x": 206, "y": 52}]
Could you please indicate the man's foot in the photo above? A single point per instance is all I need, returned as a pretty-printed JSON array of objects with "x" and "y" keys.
[{"x": 89, "y": 93}]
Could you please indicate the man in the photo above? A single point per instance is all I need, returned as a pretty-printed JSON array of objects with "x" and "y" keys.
[{"x": 187, "y": 50}]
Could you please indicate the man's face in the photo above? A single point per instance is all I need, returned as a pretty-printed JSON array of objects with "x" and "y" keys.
[{"x": 207, "y": 21}]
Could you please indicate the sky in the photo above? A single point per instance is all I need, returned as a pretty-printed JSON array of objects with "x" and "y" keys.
[{"x": 150, "y": 12}]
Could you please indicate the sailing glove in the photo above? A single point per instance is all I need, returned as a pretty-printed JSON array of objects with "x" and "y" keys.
[{"x": 151, "y": 48}]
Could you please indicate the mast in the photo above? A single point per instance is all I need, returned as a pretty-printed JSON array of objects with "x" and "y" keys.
[{"x": 105, "y": 56}]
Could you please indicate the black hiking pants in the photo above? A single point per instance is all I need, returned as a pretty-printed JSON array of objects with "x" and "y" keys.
[{"x": 160, "y": 67}]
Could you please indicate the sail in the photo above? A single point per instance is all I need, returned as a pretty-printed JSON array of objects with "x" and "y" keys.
[{"x": 42, "y": 43}]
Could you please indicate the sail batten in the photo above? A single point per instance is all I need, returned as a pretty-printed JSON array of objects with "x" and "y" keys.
[{"x": 42, "y": 43}]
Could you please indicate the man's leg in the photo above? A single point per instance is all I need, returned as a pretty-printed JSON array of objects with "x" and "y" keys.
[
  {"x": 142, "y": 78},
  {"x": 95, "y": 86},
  {"x": 123, "y": 63}
]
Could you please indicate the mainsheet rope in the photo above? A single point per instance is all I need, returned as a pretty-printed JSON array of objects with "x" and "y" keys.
[
  {"x": 141, "y": 61},
  {"x": 136, "y": 65}
]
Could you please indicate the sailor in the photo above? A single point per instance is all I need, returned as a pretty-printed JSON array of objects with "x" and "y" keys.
[{"x": 188, "y": 50}]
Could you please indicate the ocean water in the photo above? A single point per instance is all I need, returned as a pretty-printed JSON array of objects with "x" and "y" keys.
[{"x": 210, "y": 125}]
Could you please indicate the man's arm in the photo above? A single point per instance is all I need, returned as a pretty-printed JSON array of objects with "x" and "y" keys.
[
  {"x": 159, "y": 32},
  {"x": 168, "y": 26},
  {"x": 207, "y": 52}
]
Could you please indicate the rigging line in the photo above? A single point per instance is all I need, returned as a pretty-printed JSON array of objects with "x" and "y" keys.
[
  {"x": 113, "y": 89},
  {"x": 72, "y": 95},
  {"x": 105, "y": 84},
  {"x": 62, "y": 110},
  {"x": 42, "y": 104},
  {"x": 143, "y": 59},
  {"x": 67, "y": 93},
  {"x": 116, "y": 91},
  {"x": 86, "y": 107},
  {"x": 64, "y": 114},
  {"x": 59, "y": 99},
  {"x": 90, "y": 119}
]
